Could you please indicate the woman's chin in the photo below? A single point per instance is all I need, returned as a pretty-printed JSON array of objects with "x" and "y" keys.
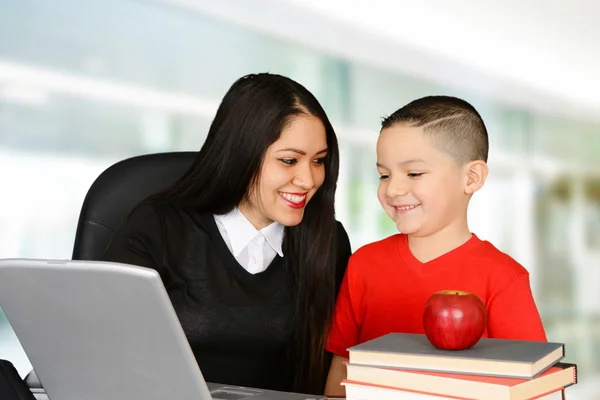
[{"x": 292, "y": 218}]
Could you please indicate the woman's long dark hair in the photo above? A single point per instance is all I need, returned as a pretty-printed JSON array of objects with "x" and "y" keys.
[{"x": 250, "y": 118}]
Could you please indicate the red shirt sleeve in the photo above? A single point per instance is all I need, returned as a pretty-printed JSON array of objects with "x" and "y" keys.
[
  {"x": 345, "y": 326},
  {"x": 512, "y": 313}
]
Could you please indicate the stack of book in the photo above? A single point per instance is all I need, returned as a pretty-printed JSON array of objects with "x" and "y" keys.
[{"x": 406, "y": 366}]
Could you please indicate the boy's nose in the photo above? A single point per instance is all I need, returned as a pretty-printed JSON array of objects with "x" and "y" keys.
[{"x": 396, "y": 189}]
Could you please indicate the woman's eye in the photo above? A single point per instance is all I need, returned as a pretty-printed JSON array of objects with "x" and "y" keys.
[
  {"x": 288, "y": 161},
  {"x": 383, "y": 177},
  {"x": 415, "y": 174},
  {"x": 319, "y": 160}
]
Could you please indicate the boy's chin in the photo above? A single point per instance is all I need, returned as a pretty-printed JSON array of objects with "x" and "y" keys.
[{"x": 408, "y": 229}]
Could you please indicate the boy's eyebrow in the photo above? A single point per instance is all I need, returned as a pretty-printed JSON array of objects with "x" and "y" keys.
[
  {"x": 407, "y": 162},
  {"x": 301, "y": 151},
  {"x": 412, "y": 161}
]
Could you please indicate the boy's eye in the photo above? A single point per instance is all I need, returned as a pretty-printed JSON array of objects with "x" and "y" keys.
[
  {"x": 414, "y": 174},
  {"x": 288, "y": 161},
  {"x": 383, "y": 177}
]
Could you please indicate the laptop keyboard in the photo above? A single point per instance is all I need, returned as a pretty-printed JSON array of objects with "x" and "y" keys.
[
  {"x": 228, "y": 396},
  {"x": 215, "y": 396},
  {"x": 233, "y": 393}
]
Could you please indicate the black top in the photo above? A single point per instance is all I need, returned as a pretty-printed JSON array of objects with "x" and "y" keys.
[{"x": 238, "y": 324}]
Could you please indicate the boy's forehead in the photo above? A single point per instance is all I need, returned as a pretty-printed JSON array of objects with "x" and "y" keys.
[
  {"x": 403, "y": 133},
  {"x": 404, "y": 145},
  {"x": 404, "y": 139}
]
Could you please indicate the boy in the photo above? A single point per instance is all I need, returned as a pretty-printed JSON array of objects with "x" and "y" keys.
[{"x": 431, "y": 157}]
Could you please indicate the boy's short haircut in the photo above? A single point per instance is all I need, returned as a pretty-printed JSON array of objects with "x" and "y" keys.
[{"x": 454, "y": 124}]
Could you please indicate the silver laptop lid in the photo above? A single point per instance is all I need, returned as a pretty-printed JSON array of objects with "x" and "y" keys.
[{"x": 97, "y": 330}]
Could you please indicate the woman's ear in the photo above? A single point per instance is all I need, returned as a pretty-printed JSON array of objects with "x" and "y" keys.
[{"x": 476, "y": 173}]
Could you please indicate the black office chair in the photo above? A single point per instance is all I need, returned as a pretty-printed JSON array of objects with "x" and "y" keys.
[
  {"x": 117, "y": 190},
  {"x": 112, "y": 196}
]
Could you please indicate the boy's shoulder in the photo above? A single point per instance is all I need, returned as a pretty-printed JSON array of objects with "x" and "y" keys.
[
  {"x": 374, "y": 256},
  {"x": 378, "y": 248},
  {"x": 496, "y": 260}
]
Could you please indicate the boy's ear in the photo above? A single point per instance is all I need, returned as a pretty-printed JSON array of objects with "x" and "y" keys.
[{"x": 476, "y": 173}]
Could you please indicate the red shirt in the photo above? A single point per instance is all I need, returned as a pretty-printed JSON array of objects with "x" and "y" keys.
[{"x": 385, "y": 290}]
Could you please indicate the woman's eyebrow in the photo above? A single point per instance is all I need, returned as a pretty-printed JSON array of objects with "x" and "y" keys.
[{"x": 301, "y": 151}]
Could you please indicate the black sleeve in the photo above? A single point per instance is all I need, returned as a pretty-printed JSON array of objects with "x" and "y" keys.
[
  {"x": 138, "y": 241},
  {"x": 344, "y": 251}
]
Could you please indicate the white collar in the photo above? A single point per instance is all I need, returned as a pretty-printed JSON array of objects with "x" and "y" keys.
[{"x": 241, "y": 231}]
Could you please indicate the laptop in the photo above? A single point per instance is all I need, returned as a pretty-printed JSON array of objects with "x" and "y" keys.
[{"x": 106, "y": 331}]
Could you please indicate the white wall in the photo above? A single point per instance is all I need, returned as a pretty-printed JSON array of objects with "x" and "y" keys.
[{"x": 539, "y": 53}]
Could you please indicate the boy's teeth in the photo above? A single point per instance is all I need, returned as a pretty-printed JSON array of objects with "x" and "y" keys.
[
  {"x": 404, "y": 208},
  {"x": 292, "y": 197}
]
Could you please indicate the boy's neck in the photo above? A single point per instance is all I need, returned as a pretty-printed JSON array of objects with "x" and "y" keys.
[{"x": 427, "y": 248}]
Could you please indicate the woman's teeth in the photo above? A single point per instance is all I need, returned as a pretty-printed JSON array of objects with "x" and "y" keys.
[{"x": 293, "y": 198}]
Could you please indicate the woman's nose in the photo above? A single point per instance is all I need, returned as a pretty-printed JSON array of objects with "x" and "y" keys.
[{"x": 304, "y": 178}]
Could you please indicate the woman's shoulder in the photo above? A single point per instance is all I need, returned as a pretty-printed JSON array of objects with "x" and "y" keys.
[
  {"x": 340, "y": 232},
  {"x": 343, "y": 252},
  {"x": 164, "y": 225},
  {"x": 145, "y": 212},
  {"x": 156, "y": 217},
  {"x": 145, "y": 215}
]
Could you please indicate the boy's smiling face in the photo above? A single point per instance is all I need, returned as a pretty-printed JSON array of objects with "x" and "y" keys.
[{"x": 421, "y": 188}]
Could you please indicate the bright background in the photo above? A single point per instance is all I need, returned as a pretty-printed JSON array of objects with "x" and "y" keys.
[{"x": 85, "y": 84}]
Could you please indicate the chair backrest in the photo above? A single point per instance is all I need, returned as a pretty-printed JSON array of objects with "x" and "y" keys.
[{"x": 115, "y": 193}]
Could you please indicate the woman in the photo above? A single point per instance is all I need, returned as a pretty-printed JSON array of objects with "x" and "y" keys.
[{"x": 246, "y": 242}]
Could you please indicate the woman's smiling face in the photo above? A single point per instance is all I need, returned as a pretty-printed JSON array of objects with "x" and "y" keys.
[{"x": 292, "y": 171}]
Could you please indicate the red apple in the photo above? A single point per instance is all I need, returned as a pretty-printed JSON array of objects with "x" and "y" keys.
[{"x": 454, "y": 319}]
